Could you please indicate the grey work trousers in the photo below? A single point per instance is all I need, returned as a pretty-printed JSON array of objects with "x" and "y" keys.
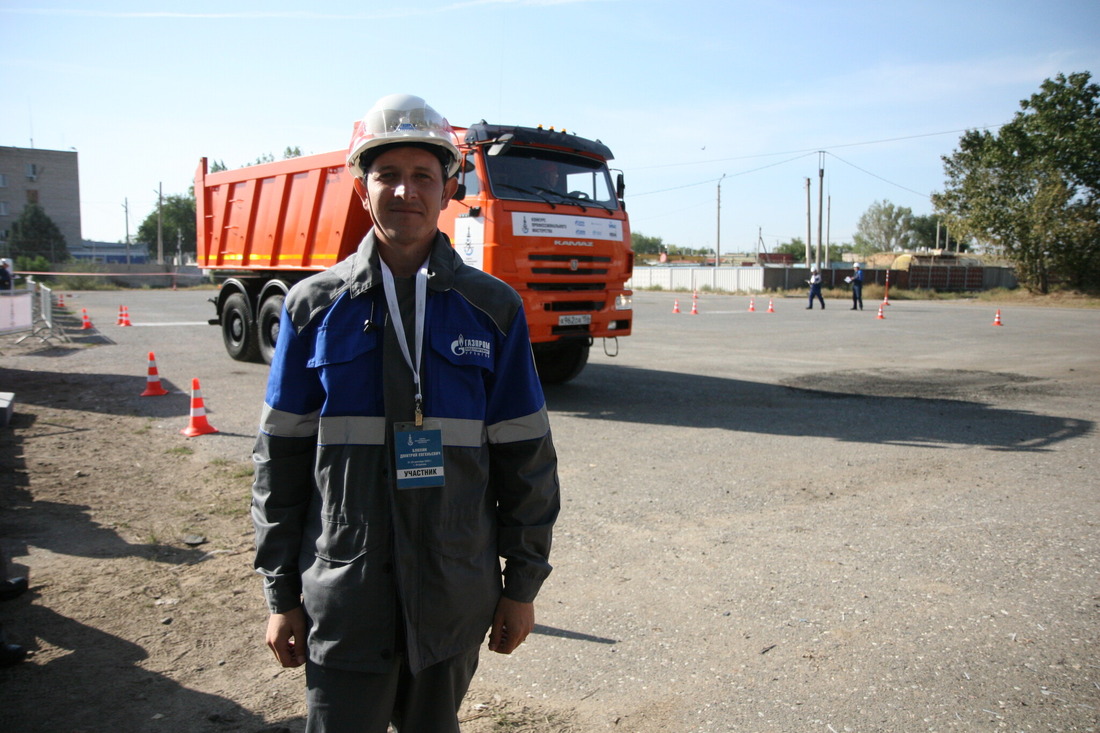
[{"x": 362, "y": 702}]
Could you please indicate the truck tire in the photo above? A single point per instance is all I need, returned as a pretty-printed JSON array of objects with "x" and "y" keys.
[
  {"x": 267, "y": 326},
  {"x": 559, "y": 362},
  {"x": 238, "y": 329}
]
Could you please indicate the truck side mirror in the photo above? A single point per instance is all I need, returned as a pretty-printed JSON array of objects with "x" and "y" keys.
[{"x": 620, "y": 187}]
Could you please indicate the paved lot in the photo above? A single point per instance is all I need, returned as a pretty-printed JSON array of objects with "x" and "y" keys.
[{"x": 800, "y": 520}]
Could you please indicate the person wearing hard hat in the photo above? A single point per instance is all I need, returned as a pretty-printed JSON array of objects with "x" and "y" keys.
[
  {"x": 404, "y": 448},
  {"x": 5, "y": 274},
  {"x": 815, "y": 288},
  {"x": 857, "y": 287}
]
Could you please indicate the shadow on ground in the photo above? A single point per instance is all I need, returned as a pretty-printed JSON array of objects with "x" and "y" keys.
[{"x": 937, "y": 408}]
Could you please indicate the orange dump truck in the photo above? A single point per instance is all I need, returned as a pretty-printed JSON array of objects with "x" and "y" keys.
[{"x": 537, "y": 208}]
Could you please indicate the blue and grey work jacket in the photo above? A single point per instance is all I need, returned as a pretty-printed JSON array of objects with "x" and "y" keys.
[{"x": 381, "y": 570}]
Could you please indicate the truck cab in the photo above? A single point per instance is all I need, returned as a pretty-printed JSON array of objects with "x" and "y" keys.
[{"x": 542, "y": 212}]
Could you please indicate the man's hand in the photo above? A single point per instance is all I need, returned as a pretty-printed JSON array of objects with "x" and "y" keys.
[
  {"x": 512, "y": 622},
  {"x": 286, "y": 636}
]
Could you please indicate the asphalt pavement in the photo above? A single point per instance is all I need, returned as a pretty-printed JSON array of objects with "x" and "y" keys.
[{"x": 789, "y": 520}]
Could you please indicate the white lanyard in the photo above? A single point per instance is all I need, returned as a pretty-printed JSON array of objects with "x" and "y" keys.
[{"x": 399, "y": 327}]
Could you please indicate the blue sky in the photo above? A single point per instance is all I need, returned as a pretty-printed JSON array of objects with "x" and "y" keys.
[{"x": 682, "y": 92}]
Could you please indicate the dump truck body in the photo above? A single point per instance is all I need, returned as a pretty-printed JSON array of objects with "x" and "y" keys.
[{"x": 537, "y": 209}]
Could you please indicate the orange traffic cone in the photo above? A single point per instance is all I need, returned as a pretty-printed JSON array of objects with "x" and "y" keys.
[
  {"x": 61, "y": 300},
  {"x": 997, "y": 318},
  {"x": 87, "y": 323},
  {"x": 880, "y": 313},
  {"x": 752, "y": 305},
  {"x": 152, "y": 380},
  {"x": 123, "y": 316},
  {"x": 694, "y": 308},
  {"x": 676, "y": 306},
  {"x": 771, "y": 309},
  {"x": 199, "y": 425}
]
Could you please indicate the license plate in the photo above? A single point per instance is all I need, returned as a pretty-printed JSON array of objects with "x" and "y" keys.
[{"x": 574, "y": 320}]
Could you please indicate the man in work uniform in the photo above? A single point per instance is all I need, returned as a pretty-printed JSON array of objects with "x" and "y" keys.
[{"x": 404, "y": 448}]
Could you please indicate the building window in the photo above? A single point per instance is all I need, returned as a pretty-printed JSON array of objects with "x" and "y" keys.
[
  {"x": 32, "y": 171},
  {"x": 3, "y": 208},
  {"x": 3, "y": 181}
]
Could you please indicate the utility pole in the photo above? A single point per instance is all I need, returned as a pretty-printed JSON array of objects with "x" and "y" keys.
[
  {"x": 828, "y": 224},
  {"x": 820, "y": 195},
  {"x": 809, "y": 224},
  {"x": 126, "y": 208},
  {"x": 718, "y": 229},
  {"x": 160, "y": 223}
]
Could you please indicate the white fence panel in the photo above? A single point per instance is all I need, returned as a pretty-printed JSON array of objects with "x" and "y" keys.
[{"x": 725, "y": 279}]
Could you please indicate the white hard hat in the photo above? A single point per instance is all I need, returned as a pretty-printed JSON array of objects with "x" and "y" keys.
[
  {"x": 857, "y": 265},
  {"x": 401, "y": 119}
]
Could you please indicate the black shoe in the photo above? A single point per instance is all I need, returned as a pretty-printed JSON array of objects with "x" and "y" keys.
[
  {"x": 13, "y": 588},
  {"x": 853, "y": 307},
  {"x": 809, "y": 307}
]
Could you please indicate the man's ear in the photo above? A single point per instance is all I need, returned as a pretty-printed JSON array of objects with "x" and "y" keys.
[{"x": 449, "y": 189}]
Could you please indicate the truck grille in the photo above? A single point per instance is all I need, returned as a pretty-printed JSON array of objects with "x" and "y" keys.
[
  {"x": 571, "y": 265},
  {"x": 573, "y": 305},
  {"x": 566, "y": 287}
]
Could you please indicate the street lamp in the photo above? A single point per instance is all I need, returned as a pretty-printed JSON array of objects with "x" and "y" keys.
[{"x": 718, "y": 233}]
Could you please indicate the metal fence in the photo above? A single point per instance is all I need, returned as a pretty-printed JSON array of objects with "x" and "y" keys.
[
  {"x": 29, "y": 312},
  {"x": 731, "y": 279},
  {"x": 760, "y": 279}
]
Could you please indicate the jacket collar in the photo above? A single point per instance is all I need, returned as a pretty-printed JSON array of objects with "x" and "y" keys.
[{"x": 366, "y": 273}]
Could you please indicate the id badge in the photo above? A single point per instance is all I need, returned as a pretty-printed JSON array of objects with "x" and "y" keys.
[{"x": 419, "y": 454}]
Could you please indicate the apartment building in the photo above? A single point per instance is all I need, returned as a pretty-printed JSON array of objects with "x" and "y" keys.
[{"x": 48, "y": 178}]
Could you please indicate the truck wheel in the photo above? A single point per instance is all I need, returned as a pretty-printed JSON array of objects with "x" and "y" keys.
[
  {"x": 238, "y": 329},
  {"x": 267, "y": 326},
  {"x": 560, "y": 362}
]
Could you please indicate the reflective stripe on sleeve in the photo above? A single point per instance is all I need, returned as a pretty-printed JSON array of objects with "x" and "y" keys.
[
  {"x": 288, "y": 424},
  {"x": 528, "y": 427}
]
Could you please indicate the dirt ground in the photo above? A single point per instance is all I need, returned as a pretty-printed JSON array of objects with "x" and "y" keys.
[{"x": 153, "y": 553}]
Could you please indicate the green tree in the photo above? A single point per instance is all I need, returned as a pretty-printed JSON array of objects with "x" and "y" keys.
[
  {"x": 643, "y": 245},
  {"x": 883, "y": 228},
  {"x": 288, "y": 153},
  {"x": 34, "y": 234},
  {"x": 795, "y": 247},
  {"x": 1033, "y": 188},
  {"x": 923, "y": 229},
  {"x": 178, "y": 225}
]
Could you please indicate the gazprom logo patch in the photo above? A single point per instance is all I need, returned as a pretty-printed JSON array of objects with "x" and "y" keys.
[{"x": 463, "y": 346}]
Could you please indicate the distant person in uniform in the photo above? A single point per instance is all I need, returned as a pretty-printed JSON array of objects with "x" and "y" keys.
[
  {"x": 5, "y": 275},
  {"x": 857, "y": 288},
  {"x": 815, "y": 288}
]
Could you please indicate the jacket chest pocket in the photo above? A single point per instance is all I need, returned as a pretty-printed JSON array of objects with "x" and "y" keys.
[
  {"x": 465, "y": 359},
  {"x": 348, "y": 362}
]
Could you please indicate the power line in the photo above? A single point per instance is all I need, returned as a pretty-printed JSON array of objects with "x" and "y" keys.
[
  {"x": 816, "y": 149},
  {"x": 730, "y": 175},
  {"x": 875, "y": 175}
]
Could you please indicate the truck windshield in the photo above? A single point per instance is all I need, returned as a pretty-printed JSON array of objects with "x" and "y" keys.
[{"x": 526, "y": 174}]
